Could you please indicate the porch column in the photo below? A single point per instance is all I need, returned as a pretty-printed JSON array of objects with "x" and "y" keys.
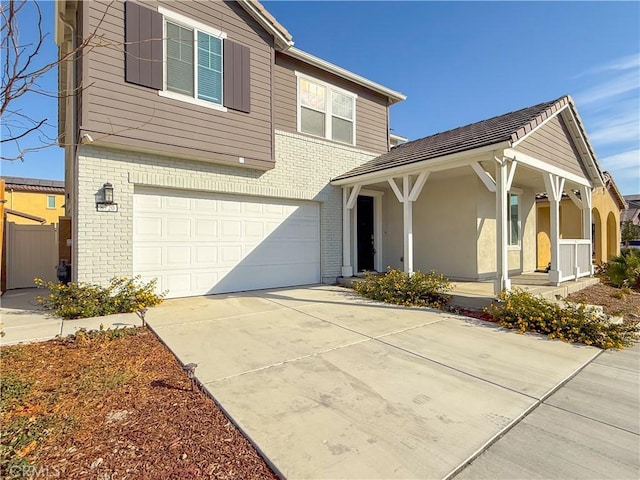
[
  {"x": 407, "y": 210},
  {"x": 349, "y": 198},
  {"x": 587, "y": 220},
  {"x": 554, "y": 185},
  {"x": 407, "y": 196},
  {"x": 502, "y": 266}
]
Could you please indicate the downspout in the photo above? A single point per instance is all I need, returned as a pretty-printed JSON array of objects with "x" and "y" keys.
[
  {"x": 74, "y": 119},
  {"x": 73, "y": 152}
]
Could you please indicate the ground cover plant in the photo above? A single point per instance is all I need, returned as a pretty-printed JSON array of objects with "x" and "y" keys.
[
  {"x": 570, "y": 322},
  {"x": 418, "y": 289},
  {"x": 84, "y": 300},
  {"x": 113, "y": 405}
]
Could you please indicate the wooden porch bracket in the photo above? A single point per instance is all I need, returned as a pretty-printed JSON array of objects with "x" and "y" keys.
[
  {"x": 575, "y": 199},
  {"x": 417, "y": 187},
  {"x": 396, "y": 190},
  {"x": 355, "y": 191},
  {"x": 511, "y": 173},
  {"x": 484, "y": 176}
]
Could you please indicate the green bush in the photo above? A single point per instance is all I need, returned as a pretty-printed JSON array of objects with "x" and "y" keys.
[
  {"x": 81, "y": 300},
  {"x": 572, "y": 323},
  {"x": 399, "y": 288},
  {"x": 624, "y": 270}
]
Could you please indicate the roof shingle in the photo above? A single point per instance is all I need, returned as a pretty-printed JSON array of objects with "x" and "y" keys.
[{"x": 510, "y": 126}]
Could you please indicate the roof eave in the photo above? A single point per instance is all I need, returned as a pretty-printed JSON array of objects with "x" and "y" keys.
[
  {"x": 436, "y": 163},
  {"x": 282, "y": 37},
  {"x": 392, "y": 95}
]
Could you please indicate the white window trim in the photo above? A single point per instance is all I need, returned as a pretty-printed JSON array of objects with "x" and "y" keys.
[
  {"x": 327, "y": 113},
  {"x": 54, "y": 202},
  {"x": 195, "y": 26},
  {"x": 518, "y": 192}
]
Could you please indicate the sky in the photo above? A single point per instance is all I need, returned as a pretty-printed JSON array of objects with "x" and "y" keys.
[{"x": 458, "y": 62}]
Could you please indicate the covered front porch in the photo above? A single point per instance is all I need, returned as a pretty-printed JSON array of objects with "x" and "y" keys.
[{"x": 469, "y": 211}]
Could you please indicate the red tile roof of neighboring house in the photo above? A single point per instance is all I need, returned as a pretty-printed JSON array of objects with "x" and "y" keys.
[{"x": 20, "y": 184}]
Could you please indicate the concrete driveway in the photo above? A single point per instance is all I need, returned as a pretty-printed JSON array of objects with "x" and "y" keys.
[{"x": 328, "y": 385}]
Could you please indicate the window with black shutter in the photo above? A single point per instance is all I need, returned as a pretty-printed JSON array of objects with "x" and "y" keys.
[{"x": 185, "y": 60}]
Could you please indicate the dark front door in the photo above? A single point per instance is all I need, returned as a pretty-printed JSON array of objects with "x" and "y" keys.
[{"x": 365, "y": 234}]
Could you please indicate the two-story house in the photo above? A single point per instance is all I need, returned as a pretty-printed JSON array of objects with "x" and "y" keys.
[
  {"x": 205, "y": 150},
  {"x": 200, "y": 145}
]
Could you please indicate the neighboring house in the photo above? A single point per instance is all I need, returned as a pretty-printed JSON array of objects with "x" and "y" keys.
[
  {"x": 33, "y": 201},
  {"x": 205, "y": 160},
  {"x": 607, "y": 205},
  {"x": 462, "y": 202},
  {"x": 32, "y": 209},
  {"x": 632, "y": 212}
]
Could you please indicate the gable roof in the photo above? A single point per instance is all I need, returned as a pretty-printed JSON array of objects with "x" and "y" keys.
[
  {"x": 612, "y": 188},
  {"x": 510, "y": 127}
]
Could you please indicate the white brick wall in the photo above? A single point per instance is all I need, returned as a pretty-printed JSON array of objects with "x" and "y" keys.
[{"x": 304, "y": 167}]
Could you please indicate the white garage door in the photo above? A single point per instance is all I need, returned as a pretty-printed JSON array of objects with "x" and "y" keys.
[{"x": 196, "y": 243}]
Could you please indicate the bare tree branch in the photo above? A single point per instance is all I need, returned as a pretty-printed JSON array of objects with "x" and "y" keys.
[{"x": 22, "y": 66}]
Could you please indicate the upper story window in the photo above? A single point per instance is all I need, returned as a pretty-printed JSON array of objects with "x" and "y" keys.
[
  {"x": 326, "y": 111},
  {"x": 193, "y": 59},
  {"x": 51, "y": 201},
  {"x": 185, "y": 60}
]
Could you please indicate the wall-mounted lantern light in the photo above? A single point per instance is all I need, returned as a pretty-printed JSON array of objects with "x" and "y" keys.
[{"x": 106, "y": 203}]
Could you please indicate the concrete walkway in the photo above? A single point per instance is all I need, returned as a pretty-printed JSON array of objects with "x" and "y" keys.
[
  {"x": 23, "y": 320},
  {"x": 589, "y": 428},
  {"x": 328, "y": 385}
]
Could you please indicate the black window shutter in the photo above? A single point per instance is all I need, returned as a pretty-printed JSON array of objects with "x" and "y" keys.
[
  {"x": 143, "y": 46},
  {"x": 237, "y": 77}
]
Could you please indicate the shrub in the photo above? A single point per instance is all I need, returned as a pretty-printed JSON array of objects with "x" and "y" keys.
[
  {"x": 624, "y": 270},
  {"x": 572, "y": 323},
  {"x": 81, "y": 300},
  {"x": 394, "y": 286}
]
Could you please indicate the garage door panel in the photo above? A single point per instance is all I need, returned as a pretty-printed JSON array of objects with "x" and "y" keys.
[
  {"x": 254, "y": 229},
  {"x": 177, "y": 228},
  {"x": 179, "y": 204},
  {"x": 229, "y": 206},
  {"x": 148, "y": 227},
  {"x": 148, "y": 258},
  {"x": 206, "y": 229},
  {"x": 150, "y": 202},
  {"x": 178, "y": 256},
  {"x": 178, "y": 284},
  {"x": 197, "y": 243},
  {"x": 206, "y": 255}
]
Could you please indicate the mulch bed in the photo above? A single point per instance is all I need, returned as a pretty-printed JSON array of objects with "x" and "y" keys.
[
  {"x": 612, "y": 299},
  {"x": 120, "y": 408}
]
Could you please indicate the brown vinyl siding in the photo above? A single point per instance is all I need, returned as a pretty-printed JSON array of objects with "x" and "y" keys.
[
  {"x": 137, "y": 117},
  {"x": 371, "y": 108},
  {"x": 552, "y": 143}
]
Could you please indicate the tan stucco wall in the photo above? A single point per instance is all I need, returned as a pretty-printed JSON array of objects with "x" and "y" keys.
[
  {"x": 443, "y": 226},
  {"x": 520, "y": 259},
  {"x": 33, "y": 203},
  {"x": 455, "y": 230}
]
